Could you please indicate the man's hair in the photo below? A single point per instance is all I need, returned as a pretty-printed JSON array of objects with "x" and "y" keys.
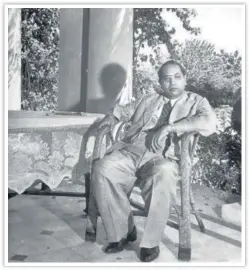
[{"x": 171, "y": 62}]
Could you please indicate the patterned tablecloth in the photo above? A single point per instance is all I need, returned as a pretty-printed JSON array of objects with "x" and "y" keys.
[{"x": 47, "y": 148}]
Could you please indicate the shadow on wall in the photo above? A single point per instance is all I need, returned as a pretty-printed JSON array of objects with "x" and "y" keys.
[{"x": 112, "y": 79}]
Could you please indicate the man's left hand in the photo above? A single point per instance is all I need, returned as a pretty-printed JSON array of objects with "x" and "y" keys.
[{"x": 156, "y": 139}]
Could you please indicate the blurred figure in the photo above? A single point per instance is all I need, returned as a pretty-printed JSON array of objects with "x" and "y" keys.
[{"x": 236, "y": 115}]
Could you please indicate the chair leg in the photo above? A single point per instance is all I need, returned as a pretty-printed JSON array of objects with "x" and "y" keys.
[
  {"x": 87, "y": 191},
  {"x": 44, "y": 187},
  {"x": 194, "y": 211},
  {"x": 184, "y": 251},
  {"x": 11, "y": 195},
  {"x": 197, "y": 216},
  {"x": 177, "y": 211}
]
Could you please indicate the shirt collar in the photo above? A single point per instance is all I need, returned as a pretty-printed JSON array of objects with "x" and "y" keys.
[{"x": 172, "y": 101}]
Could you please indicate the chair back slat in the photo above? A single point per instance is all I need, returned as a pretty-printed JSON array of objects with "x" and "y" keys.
[
  {"x": 194, "y": 144},
  {"x": 105, "y": 130}
]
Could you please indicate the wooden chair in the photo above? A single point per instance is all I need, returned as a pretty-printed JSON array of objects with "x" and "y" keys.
[{"x": 187, "y": 152}]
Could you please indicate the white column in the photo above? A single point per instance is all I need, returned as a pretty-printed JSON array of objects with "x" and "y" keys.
[
  {"x": 72, "y": 64},
  {"x": 14, "y": 58},
  {"x": 109, "y": 57}
]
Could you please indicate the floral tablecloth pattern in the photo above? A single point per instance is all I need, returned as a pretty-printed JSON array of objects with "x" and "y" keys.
[{"x": 46, "y": 156}]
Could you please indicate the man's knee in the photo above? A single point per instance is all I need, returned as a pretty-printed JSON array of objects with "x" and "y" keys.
[
  {"x": 103, "y": 169},
  {"x": 97, "y": 166},
  {"x": 99, "y": 171},
  {"x": 114, "y": 170},
  {"x": 163, "y": 176},
  {"x": 168, "y": 176},
  {"x": 167, "y": 169}
]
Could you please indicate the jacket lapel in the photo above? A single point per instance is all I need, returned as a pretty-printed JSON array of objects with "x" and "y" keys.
[
  {"x": 145, "y": 110},
  {"x": 181, "y": 108}
]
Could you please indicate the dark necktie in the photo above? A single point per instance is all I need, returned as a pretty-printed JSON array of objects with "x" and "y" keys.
[
  {"x": 164, "y": 120},
  {"x": 164, "y": 117}
]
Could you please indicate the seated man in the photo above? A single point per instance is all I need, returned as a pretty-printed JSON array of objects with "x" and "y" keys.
[{"x": 149, "y": 154}]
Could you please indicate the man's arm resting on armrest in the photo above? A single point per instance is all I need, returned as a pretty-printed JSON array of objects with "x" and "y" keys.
[
  {"x": 108, "y": 120},
  {"x": 204, "y": 121}
]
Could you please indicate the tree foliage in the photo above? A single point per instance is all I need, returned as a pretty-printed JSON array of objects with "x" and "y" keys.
[
  {"x": 216, "y": 75},
  {"x": 40, "y": 58},
  {"x": 219, "y": 161},
  {"x": 152, "y": 29}
]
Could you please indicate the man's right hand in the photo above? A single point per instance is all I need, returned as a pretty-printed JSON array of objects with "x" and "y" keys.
[{"x": 108, "y": 120}]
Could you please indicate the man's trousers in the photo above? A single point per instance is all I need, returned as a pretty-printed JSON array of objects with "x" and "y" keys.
[{"x": 113, "y": 178}]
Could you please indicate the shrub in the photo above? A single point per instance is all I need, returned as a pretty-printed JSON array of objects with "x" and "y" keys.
[
  {"x": 219, "y": 164},
  {"x": 40, "y": 58}
]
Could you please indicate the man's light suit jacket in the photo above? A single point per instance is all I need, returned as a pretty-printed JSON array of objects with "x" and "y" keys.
[{"x": 191, "y": 109}]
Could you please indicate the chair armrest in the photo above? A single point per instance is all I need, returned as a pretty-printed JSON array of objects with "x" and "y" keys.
[
  {"x": 105, "y": 130},
  {"x": 188, "y": 147},
  {"x": 185, "y": 169}
]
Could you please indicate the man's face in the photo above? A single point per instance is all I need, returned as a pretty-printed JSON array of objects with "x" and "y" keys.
[{"x": 172, "y": 81}]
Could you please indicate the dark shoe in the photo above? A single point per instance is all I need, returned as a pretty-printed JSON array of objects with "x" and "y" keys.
[
  {"x": 149, "y": 254},
  {"x": 131, "y": 237},
  {"x": 90, "y": 236},
  {"x": 114, "y": 247}
]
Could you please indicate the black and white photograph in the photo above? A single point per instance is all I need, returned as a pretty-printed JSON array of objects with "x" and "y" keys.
[{"x": 125, "y": 127}]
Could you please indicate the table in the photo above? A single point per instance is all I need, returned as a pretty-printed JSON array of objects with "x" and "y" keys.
[{"x": 46, "y": 147}]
